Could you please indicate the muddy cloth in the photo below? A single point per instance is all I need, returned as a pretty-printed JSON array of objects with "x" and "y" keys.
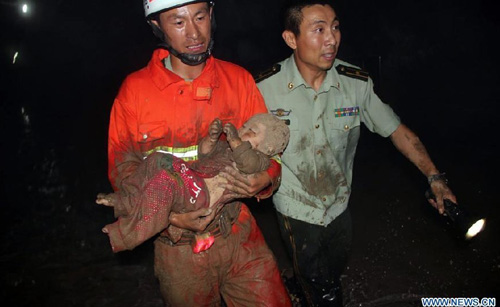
[
  {"x": 240, "y": 267},
  {"x": 209, "y": 165},
  {"x": 156, "y": 110},
  {"x": 163, "y": 183},
  {"x": 160, "y": 184}
]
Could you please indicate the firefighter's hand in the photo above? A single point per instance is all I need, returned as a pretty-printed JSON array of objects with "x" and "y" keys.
[
  {"x": 195, "y": 221},
  {"x": 244, "y": 186},
  {"x": 441, "y": 191},
  {"x": 104, "y": 199}
]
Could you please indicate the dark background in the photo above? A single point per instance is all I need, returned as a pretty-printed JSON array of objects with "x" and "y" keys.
[{"x": 434, "y": 62}]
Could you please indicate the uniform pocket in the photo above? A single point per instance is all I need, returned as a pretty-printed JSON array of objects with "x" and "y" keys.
[
  {"x": 344, "y": 131},
  {"x": 151, "y": 135},
  {"x": 295, "y": 143}
]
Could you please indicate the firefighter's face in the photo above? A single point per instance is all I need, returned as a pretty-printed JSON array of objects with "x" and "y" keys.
[{"x": 188, "y": 28}]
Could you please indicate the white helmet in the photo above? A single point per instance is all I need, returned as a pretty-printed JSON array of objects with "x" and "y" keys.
[{"x": 155, "y": 6}]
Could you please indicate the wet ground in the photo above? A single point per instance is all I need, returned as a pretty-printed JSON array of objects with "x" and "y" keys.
[
  {"x": 53, "y": 253},
  {"x": 54, "y": 112}
]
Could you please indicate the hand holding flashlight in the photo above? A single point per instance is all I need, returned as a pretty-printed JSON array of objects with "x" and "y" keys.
[
  {"x": 439, "y": 188},
  {"x": 468, "y": 224}
]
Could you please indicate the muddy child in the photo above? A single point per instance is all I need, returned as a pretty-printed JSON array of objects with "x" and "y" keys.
[{"x": 143, "y": 211}]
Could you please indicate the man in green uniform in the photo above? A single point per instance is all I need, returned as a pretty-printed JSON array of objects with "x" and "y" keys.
[{"x": 324, "y": 100}]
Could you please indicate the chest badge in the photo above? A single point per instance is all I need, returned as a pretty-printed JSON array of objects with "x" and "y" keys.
[
  {"x": 350, "y": 111},
  {"x": 280, "y": 113}
]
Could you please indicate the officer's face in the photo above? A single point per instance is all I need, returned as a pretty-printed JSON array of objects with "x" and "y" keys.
[
  {"x": 317, "y": 44},
  {"x": 187, "y": 28}
]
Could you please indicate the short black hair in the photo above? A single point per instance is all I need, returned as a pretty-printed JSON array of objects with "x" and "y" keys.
[{"x": 293, "y": 16}]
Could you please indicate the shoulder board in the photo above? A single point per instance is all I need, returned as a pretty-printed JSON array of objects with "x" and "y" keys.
[
  {"x": 352, "y": 72},
  {"x": 267, "y": 73}
]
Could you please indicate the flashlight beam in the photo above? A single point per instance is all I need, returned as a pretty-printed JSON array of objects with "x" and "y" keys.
[{"x": 475, "y": 229}]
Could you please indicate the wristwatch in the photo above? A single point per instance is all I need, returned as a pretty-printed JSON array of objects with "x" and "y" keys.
[{"x": 435, "y": 177}]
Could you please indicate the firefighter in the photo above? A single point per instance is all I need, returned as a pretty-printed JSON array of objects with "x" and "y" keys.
[{"x": 168, "y": 106}]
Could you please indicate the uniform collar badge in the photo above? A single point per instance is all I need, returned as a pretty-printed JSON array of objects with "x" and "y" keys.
[{"x": 280, "y": 112}]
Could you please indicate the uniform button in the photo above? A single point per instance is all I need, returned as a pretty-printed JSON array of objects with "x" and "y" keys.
[
  {"x": 318, "y": 152},
  {"x": 181, "y": 92},
  {"x": 315, "y": 97},
  {"x": 290, "y": 85},
  {"x": 144, "y": 136},
  {"x": 321, "y": 222},
  {"x": 346, "y": 127},
  {"x": 317, "y": 126},
  {"x": 324, "y": 198}
]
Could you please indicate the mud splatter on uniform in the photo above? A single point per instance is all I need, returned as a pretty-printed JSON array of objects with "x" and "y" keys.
[{"x": 317, "y": 164}]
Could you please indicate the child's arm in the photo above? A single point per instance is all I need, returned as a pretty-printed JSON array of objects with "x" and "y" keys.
[
  {"x": 232, "y": 136},
  {"x": 247, "y": 160},
  {"x": 208, "y": 143}
]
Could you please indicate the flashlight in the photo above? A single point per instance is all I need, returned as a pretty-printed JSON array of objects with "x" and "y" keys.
[{"x": 469, "y": 225}]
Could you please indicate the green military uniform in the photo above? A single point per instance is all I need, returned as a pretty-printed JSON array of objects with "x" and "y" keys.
[
  {"x": 324, "y": 131},
  {"x": 317, "y": 167}
]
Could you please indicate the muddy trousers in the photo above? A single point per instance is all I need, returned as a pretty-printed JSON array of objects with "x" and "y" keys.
[
  {"x": 319, "y": 255},
  {"x": 241, "y": 268}
]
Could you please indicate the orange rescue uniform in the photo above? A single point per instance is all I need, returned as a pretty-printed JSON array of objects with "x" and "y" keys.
[{"x": 156, "y": 110}]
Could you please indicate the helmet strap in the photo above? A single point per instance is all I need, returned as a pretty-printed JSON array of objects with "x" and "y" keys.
[{"x": 188, "y": 58}]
